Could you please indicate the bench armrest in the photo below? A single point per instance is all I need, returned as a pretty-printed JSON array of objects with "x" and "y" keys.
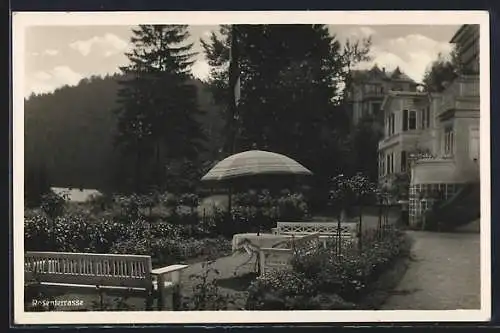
[
  {"x": 168, "y": 269},
  {"x": 173, "y": 271}
]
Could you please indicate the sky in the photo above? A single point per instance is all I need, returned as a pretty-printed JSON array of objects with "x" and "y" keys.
[{"x": 56, "y": 56}]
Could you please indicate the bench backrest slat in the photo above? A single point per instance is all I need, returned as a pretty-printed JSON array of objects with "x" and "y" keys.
[{"x": 130, "y": 271}]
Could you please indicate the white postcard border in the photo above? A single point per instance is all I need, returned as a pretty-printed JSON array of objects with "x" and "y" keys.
[{"x": 22, "y": 20}]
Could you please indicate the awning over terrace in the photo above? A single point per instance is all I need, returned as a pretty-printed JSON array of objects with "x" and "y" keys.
[{"x": 434, "y": 171}]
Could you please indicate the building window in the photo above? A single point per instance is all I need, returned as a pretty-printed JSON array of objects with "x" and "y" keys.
[
  {"x": 376, "y": 108},
  {"x": 412, "y": 121},
  {"x": 405, "y": 120},
  {"x": 425, "y": 118},
  {"x": 474, "y": 144},
  {"x": 449, "y": 141},
  {"x": 390, "y": 163},
  {"x": 390, "y": 124},
  {"x": 388, "y": 170},
  {"x": 381, "y": 165},
  {"x": 428, "y": 117},
  {"x": 422, "y": 118},
  {"x": 382, "y": 158},
  {"x": 409, "y": 120},
  {"x": 403, "y": 161}
]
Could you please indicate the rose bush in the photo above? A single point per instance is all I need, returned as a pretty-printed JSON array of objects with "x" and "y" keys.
[
  {"x": 324, "y": 279},
  {"x": 166, "y": 243}
]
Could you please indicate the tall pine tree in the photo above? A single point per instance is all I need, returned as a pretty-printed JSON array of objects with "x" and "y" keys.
[{"x": 158, "y": 106}]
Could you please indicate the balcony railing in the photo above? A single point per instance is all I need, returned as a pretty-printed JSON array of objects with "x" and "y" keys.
[
  {"x": 456, "y": 94},
  {"x": 373, "y": 94}
]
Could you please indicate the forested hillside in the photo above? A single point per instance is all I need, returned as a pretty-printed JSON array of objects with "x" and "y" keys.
[{"x": 69, "y": 134}]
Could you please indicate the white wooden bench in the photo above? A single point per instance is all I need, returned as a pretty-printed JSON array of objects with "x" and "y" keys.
[
  {"x": 326, "y": 230},
  {"x": 125, "y": 272},
  {"x": 279, "y": 257}
]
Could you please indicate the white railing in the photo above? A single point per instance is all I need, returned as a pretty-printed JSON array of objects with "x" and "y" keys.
[{"x": 323, "y": 228}]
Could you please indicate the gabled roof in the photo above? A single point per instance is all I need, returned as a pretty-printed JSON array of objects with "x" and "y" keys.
[
  {"x": 376, "y": 72},
  {"x": 398, "y": 75}
]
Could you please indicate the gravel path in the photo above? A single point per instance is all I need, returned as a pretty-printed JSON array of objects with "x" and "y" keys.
[{"x": 443, "y": 275}]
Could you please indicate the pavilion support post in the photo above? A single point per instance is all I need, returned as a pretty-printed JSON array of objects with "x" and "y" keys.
[{"x": 230, "y": 200}]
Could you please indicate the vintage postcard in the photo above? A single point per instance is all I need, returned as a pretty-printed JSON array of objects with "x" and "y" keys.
[{"x": 251, "y": 167}]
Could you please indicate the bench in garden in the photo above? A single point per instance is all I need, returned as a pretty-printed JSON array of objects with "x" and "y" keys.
[
  {"x": 279, "y": 257},
  {"x": 324, "y": 229},
  {"x": 107, "y": 271}
]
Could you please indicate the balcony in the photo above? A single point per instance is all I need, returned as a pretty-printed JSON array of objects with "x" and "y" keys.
[
  {"x": 373, "y": 94},
  {"x": 408, "y": 137},
  {"x": 461, "y": 94}
]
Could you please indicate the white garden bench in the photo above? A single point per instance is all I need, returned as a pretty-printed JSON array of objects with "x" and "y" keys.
[
  {"x": 325, "y": 230},
  {"x": 279, "y": 257},
  {"x": 107, "y": 271}
]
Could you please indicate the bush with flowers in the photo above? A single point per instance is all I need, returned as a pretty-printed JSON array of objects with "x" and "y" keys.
[
  {"x": 166, "y": 243},
  {"x": 324, "y": 279}
]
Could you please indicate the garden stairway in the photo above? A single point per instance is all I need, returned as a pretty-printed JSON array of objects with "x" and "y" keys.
[{"x": 460, "y": 209}]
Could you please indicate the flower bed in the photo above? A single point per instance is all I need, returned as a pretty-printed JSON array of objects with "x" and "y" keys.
[
  {"x": 324, "y": 280},
  {"x": 166, "y": 243}
]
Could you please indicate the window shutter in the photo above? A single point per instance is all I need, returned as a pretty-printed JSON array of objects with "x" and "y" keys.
[
  {"x": 388, "y": 166},
  {"x": 403, "y": 161},
  {"x": 405, "y": 120}
]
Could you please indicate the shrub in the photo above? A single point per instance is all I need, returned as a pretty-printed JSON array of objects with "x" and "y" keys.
[
  {"x": 52, "y": 204},
  {"x": 167, "y": 251},
  {"x": 184, "y": 215},
  {"x": 324, "y": 279},
  {"x": 101, "y": 202},
  {"x": 168, "y": 199},
  {"x": 206, "y": 294},
  {"x": 290, "y": 290},
  {"x": 129, "y": 207},
  {"x": 189, "y": 199},
  {"x": 77, "y": 232},
  {"x": 37, "y": 233},
  {"x": 292, "y": 207},
  {"x": 162, "y": 229}
]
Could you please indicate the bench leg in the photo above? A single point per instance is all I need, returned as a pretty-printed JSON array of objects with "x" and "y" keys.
[
  {"x": 169, "y": 298},
  {"x": 150, "y": 296},
  {"x": 166, "y": 298}
]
